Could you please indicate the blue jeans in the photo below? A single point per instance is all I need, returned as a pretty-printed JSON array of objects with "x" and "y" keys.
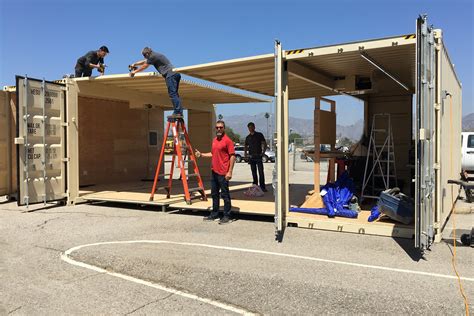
[
  {"x": 172, "y": 82},
  {"x": 219, "y": 183}
]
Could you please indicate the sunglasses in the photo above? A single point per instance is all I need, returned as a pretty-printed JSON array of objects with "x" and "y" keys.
[{"x": 219, "y": 127}]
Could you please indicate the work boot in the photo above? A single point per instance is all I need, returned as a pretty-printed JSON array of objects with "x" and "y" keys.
[
  {"x": 175, "y": 116},
  {"x": 211, "y": 218},
  {"x": 225, "y": 220}
]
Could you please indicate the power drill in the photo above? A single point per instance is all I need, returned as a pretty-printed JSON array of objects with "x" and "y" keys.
[
  {"x": 131, "y": 68},
  {"x": 101, "y": 68}
]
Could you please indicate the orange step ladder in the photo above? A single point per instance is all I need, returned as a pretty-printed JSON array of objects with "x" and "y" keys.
[{"x": 177, "y": 128}]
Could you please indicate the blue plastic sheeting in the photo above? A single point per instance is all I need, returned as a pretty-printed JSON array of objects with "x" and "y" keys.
[
  {"x": 324, "y": 211},
  {"x": 337, "y": 195},
  {"x": 374, "y": 213}
]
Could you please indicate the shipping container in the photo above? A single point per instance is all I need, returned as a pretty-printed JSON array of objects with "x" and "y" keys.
[{"x": 410, "y": 77}]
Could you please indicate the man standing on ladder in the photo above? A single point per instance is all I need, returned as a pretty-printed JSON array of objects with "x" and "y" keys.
[
  {"x": 91, "y": 60},
  {"x": 165, "y": 68},
  {"x": 223, "y": 160}
]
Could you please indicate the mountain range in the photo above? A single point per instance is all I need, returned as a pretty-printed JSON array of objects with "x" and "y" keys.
[{"x": 304, "y": 127}]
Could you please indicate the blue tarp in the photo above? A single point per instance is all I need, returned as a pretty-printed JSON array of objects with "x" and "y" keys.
[{"x": 335, "y": 196}]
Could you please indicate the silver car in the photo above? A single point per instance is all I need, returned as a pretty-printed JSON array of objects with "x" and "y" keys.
[{"x": 269, "y": 155}]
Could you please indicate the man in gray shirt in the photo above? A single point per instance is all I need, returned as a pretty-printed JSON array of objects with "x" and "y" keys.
[{"x": 165, "y": 68}]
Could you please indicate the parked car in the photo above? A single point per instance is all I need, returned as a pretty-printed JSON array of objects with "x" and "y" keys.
[
  {"x": 269, "y": 155},
  {"x": 467, "y": 145},
  {"x": 308, "y": 151}
]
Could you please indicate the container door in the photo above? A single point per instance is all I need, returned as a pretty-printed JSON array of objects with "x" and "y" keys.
[
  {"x": 425, "y": 135},
  {"x": 281, "y": 174},
  {"x": 41, "y": 145}
]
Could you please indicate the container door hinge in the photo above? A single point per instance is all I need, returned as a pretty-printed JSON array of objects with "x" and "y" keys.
[
  {"x": 19, "y": 141},
  {"x": 436, "y": 225},
  {"x": 436, "y": 166},
  {"x": 67, "y": 159},
  {"x": 437, "y": 106},
  {"x": 64, "y": 124}
]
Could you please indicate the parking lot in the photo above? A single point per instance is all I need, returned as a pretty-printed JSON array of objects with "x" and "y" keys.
[{"x": 123, "y": 259}]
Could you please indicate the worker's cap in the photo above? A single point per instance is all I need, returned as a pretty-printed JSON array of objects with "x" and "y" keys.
[
  {"x": 146, "y": 51},
  {"x": 104, "y": 49}
]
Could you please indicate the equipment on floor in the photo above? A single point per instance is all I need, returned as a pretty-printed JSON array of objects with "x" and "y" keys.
[
  {"x": 180, "y": 136},
  {"x": 466, "y": 185},
  {"x": 468, "y": 239},
  {"x": 380, "y": 172},
  {"x": 397, "y": 206}
]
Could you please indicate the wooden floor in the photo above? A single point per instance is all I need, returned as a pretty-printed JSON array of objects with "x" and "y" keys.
[{"x": 139, "y": 193}]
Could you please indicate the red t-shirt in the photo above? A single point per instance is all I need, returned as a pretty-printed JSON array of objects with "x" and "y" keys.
[{"x": 221, "y": 151}]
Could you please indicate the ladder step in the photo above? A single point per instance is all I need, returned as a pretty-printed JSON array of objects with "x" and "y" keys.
[
  {"x": 195, "y": 189},
  {"x": 193, "y": 174}
]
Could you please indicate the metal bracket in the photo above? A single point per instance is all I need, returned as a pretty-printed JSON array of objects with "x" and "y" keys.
[
  {"x": 436, "y": 166},
  {"x": 422, "y": 134},
  {"x": 19, "y": 141}
]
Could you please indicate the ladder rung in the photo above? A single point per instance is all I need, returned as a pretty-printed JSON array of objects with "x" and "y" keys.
[
  {"x": 193, "y": 174},
  {"x": 195, "y": 189},
  {"x": 162, "y": 187}
]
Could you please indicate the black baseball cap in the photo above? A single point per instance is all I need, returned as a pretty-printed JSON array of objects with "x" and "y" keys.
[{"x": 104, "y": 48}]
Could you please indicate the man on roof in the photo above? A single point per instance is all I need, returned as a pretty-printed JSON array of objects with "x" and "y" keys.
[
  {"x": 165, "y": 68},
  {"x": 93, "y": 59}
]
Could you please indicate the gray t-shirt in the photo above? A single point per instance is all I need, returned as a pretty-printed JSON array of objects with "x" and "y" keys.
[{"x": 161, "y": 63}]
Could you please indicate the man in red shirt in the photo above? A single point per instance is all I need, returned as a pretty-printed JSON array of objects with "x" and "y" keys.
[{"x": 223, "y": 160}]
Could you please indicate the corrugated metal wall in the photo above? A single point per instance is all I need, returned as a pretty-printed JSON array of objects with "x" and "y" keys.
[
  {"x": 400, "y": 109},
  {"x": 451, "y": 127}
]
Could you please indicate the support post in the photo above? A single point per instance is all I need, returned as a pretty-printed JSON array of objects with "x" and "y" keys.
[{"x": 317, "y": 145}]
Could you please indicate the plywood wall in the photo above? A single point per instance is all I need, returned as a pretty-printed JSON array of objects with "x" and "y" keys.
[
  {"x": 400, "y": 109},
  {"x": 8, "y": 172},
  {"x": 113, "y": 141},
  {"x": 201, "y": 133}
]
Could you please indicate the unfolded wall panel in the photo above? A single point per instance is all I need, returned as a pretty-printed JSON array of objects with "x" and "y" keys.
[
  {"x": 451, "y": 115},
  {"x": 201, "y": 133},
  {"x": 8, "y": 157},
  {"x": 5, "y": 166},
  {"x": 400, "y": 110},
  {"x": 114, "y": 141}
]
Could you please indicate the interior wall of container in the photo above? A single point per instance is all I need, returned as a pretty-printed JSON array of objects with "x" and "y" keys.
[
  {"x": 114, "y": 140},
  {"x": 8, "y": 172},
  {"x": 114, "y": 143},
  {"x": 400, "y": 109},
  {"x": 451, "y": 127}
]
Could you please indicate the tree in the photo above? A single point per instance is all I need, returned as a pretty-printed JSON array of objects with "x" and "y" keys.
[
  {"x": 232, "y": 135},
  {"x": 291, "y": 138}
]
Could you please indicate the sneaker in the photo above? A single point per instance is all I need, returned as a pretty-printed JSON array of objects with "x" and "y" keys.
[
  {"x": 211, "y": 218},
  {"x": 225, "y": 220},
  {"x": 264, "y": 189}
]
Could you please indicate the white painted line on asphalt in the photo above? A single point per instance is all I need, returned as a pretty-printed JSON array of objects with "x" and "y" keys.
[
  {"x": 227, "y": 307},
  {"x": 66, "y": 258}
]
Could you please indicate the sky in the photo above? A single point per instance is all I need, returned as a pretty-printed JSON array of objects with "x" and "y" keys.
[{"x": 43, "y": 39}]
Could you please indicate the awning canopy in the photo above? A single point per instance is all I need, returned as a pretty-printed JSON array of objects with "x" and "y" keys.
[
  {"x": 152, "y": 82},
  {"x": 321, "y": 71}
]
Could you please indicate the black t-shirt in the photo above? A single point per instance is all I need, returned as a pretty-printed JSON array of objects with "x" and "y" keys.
[
  {"x": 254, "y": 143},
  {"x": 161, "y": 63},
  {"x": 90, "y": 58}
]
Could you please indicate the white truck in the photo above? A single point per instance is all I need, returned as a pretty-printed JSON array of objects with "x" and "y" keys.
[{"x": 467, "y": 147}]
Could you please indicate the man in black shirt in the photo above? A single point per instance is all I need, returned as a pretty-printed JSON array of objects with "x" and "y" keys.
[
  {"x": 165, "y": 68},
  {"x": 255, "y": 145},
  {"x": 92, "y": 59}
]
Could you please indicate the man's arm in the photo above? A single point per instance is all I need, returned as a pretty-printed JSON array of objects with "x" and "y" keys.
[
  {"x": 264, "y": 145},
  {"x": 143, "y": 65},
  {"x": 200, "y": 154},
  {"x": 228, "y": 176}
]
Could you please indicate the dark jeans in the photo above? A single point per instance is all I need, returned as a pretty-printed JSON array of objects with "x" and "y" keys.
[
  {"x": 219, "y": 183},
  {"x": 172, "y": 82},
  {"x": 255, "y": 163},
  {"x": 79, "y": 71}
]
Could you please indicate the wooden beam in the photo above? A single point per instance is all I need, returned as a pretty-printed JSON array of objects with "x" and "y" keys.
[{"x": 317, "y": 154}]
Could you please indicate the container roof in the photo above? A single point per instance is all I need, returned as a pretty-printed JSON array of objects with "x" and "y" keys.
[
  {"x": 315, "y": 71},
  {"x": 153, "y": 82}
]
